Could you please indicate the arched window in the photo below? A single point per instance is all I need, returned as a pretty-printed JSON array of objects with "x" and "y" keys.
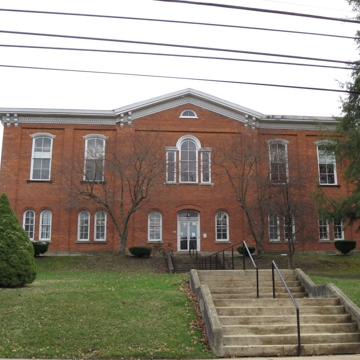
[
  {"x": 41, "y": 156},
  {"x": 155, "y": 226},
  {"x": 94, "y": 157},
  {"x": 100, "y": 226},
  {"x": 326, "y": 164},
  {"x": 188, "y": 114},
  {"x": 188, "y": 162},
  {"x": 29, "y": 223},
  {"x": 83, "y": 226},
  {"x": 222, "y": 226},
  {"x": 45, "y": 225}
]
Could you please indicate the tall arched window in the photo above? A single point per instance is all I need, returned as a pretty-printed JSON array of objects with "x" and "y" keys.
[
  {"x": 29, "y": 223},
  {"x": 222, "y": 226},
  {"x": 41, "y": 156},
  {"x": 100, "y": 226},
  {"x": 278, "y": 160},
  {"x": 155, "y": 226},
  {"x": 45, "y": 225},
  {"x": 84, "y": 226},
  {"x": 188, "y": 162}
]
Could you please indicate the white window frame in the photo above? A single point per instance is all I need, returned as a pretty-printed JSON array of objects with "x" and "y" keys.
[
  {"x": 285, "y": 144},
  {"x": 87, "y": 157},
  {"x": 222, "y": 226},
  {"x": 277, "y": 239},
  {"x": 33, "y": 155},
  {"x": 32, "y": 225},
  {"x": 208, "y": 152},
  {"x": 182, "y": 116},
  {"x": 341, "y": 226},
  {"x": 171, "y": 150},
  {"x": 104, "y": 226},
  {"x": 196, "y": 162},
  {"x": 79, "y": 225},
  {"x": 323, "y": 223},
  {"x": 151, "y": 227},
  {"x": 41, "y": 237},
  {"x": 330, "y": 159}
]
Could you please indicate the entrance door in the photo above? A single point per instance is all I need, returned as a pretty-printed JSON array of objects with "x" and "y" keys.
[{"x": 188, "y": 231}]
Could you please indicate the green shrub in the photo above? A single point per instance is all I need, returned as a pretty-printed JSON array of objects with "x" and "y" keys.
[
  {"x": 140, "y": 251},
  {"x": 40, "y": 247},
  {"x": 345, "y": 246},
  {"x": 17, "y": 263},
  {"x": 251, "y": 249}
]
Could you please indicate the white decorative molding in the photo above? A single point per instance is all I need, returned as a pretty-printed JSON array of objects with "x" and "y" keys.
[
  {"x": 95, "y": 136},
  {"x": 42, "y": 134},
  {"x": 278, "y": 141},
  {"x": 67, "y": 120},
  {"x": 323, "y": 142},
  {"x": 9, "y": 119}
]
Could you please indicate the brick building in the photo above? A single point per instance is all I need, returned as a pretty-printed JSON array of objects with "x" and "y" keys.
[{"x": 192, "y": 203}]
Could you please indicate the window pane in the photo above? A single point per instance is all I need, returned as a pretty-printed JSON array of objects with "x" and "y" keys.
[
  {"x": 154, "y": 223},
  {"x": 29, "y": 223},
  {"x": 222, "y": 226}
]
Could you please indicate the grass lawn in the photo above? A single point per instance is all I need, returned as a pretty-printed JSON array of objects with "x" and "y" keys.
[{"x": 101, "y": 306}]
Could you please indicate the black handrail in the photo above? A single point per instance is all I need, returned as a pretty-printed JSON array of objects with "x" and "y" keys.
[
  {"x": 202, "y": 260},
  {"x": 274, "y": 266},
  {"x": 193, "y": 249},
  {"x": 253, "y": 262}
]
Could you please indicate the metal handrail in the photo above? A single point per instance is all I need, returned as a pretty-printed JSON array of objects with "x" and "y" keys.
[
  {"x": 253, "y": 262},
  {"x": 193, "y": 249},
  {"x": 202, "y": 260},
  {"x": 274, "y": 266}
]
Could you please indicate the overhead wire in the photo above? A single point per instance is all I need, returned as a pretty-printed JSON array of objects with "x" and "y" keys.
[
  {"x": 176, "y": 46},
  {"x": 245, "y": 8},
  {"x": 173, "y": 55},
  {"x": 177, "y": 22},
  {"x": 180, "y": 78}
]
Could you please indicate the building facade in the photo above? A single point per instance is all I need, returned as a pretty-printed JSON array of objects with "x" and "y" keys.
[{"x": 191, "y": 205}]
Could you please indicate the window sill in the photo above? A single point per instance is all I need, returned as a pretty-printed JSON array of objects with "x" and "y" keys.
[
  {"x": 92, "y": 182},
  {"x": 82, "y": 242},
  {"x": 330, "y": 185},
  {"x": 192, "y": 183},
  {"x": 222, "y": 242},
  {"x": 99, "y": 242},
  {"x": 154, "y": 242},
  {"x": 275, "y": 242},
  {"x": 39, "y": 181},
  {"x": 325, "y": 241}
]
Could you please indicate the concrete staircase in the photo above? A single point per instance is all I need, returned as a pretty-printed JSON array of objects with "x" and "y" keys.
[{"x": 268, "y": 326}]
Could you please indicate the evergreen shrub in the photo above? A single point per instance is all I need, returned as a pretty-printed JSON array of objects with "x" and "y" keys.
[
  {"x": 251, "y": 249},
  {"x": 17, "y": 263},
  {"x": 40, "y": 247},
  {"x": 140, "y": 251},
  {"x": 345, "y": 246}
]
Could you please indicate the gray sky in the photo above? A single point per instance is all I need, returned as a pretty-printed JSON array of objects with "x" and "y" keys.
[{"x": 22, "y": 88}]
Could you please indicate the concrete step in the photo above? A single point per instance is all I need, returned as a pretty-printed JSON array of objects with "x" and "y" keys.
[
  {"x": 290, "y": 339},
  {"x": 292, "y": 350},
  {"x": 304, "y": 319},
  {"x": 273, "y": 329},
  {"x": 276, "y": 302},
  {"x": 262, "y": 289},
  {"x": 284, "y": 310},
  {"x": 252, "y": 295}
]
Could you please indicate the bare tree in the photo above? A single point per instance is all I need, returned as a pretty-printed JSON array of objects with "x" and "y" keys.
[
  {"x": 291, "y": 210},
  {"x": 244, "y": 162},
  {"x": 122, "y": 179}
]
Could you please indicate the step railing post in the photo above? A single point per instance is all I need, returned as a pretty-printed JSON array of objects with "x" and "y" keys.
[
  {"x": 273, "y": 279},
  {"x": 224, "y": 259},
  {"x": 257, "y": 282},
  {"x": 243, "y": 254}
]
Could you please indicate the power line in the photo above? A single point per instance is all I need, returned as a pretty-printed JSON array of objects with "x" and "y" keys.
[
  {"x": 179, "y": 22},
  {"x": 180, "y": 78},
  {"x": 173, "y": 45},
  {"x": 172, "y": 55},
  {"x": 261, "y": 10}
]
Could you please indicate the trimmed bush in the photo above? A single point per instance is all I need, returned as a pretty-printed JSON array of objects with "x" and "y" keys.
[
  {"x": 140, "y": 251},
  {"x": 251, "y": 249},
  {"x": 40, "y": 247},
  {"x": 345, "y": 246},
  {"x": 17, "y": 263}
]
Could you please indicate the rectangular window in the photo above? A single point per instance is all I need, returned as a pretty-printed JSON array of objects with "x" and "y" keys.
[
  {"x": 205, "y": 166},
  {"x": 289, "y": 229},
  {"x": 154, "y": 226},
  {"x": 171, "y": 166},
  {"x": 222, "y": 226},
  {"x": 84, "y": 226},
  {"x": 278, "y": 163},
  {"x": 94, "y": 159},
  {"x": 338, "y": 230},
  {"x": 41, "y": 157},
  {"x": 327, "y": 166},
  {"x": 324, "y": 230},
  {"x": 100, "y": 226},
  {"x": 274, "y": 228},
  {"x": 45, "y": 225}
]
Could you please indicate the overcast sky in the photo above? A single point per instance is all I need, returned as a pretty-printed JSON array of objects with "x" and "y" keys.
[{"x": 24, "y": 88}]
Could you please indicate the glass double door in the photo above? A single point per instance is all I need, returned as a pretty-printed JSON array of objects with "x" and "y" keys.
[{"x": 188, "y": 231}]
